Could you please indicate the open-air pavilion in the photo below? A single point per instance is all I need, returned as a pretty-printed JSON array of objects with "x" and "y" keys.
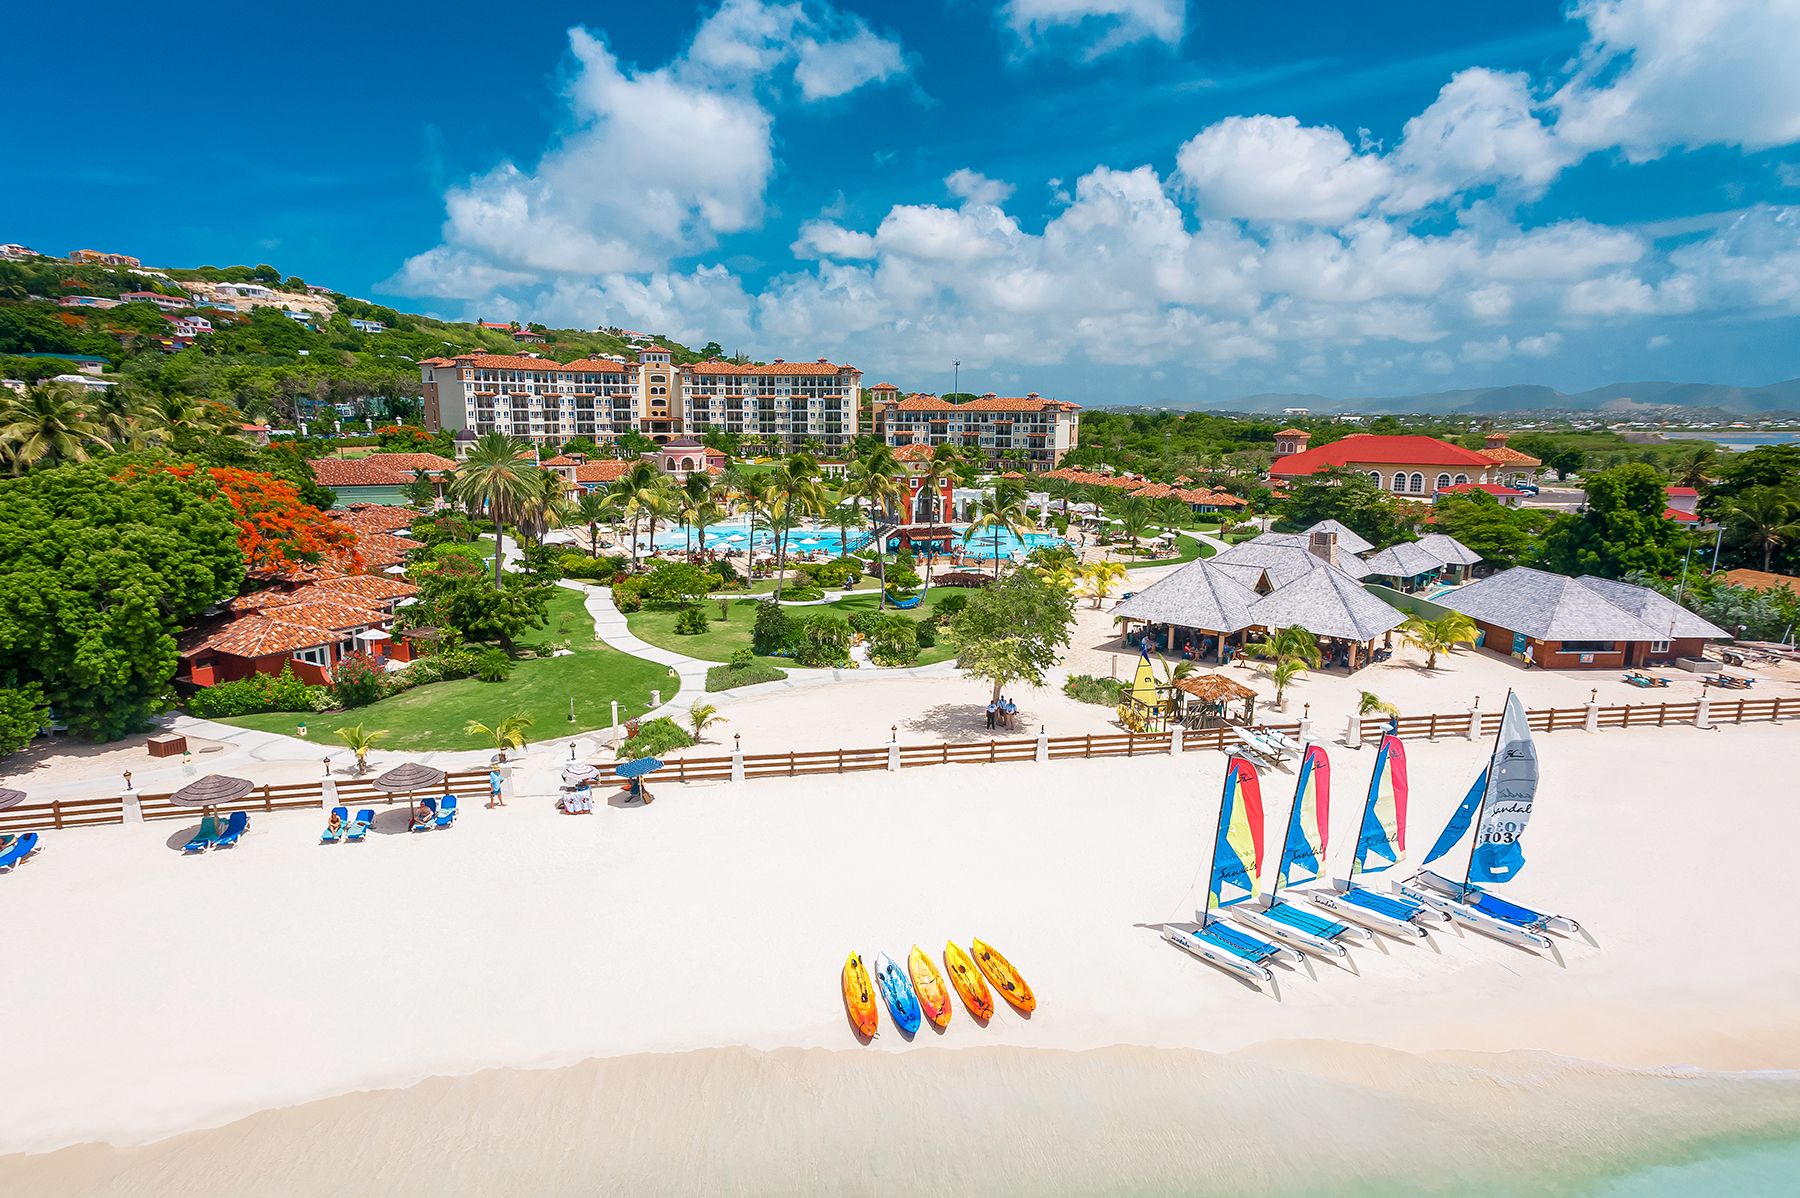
[
  {"x": 1275, "y": 559},
  {"x": 1335, "y": 608},
  {"x": 1196, "y": 611},
  {"x": 1407, "y": 566}
]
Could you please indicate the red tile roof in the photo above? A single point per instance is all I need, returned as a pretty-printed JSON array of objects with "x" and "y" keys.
[
  {"x": 1676, "y": 514},
  {"x": 1491, "y": 488},
  {"x": 987, "y": 403},
  {"x": 377, "y": 469},
  {"x": 559, "y": 460},
  {"x": 607, "y": 470},
  {"x": 715, "y": 366},
  {"x": 595, "y": 366},
  {"x": 507, "y": 362},
  {"x": 918, "y": 451},
  {"x": 1293, "y": 432},
  {"x": 1501, "y": 455},
  {"x": 1373, "y": 449},
  {"x": 1760, "y": 580},
  {"x": 652, "y": 348},
  {"x": 368, "y": 518},
  {"x": 1682, "y": 492},
  {"x": 370, "y": 588},
  {"x": 285, "y": 628}
]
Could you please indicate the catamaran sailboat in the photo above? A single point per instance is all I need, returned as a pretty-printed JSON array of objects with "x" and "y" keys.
[
  {"x": 1380, "y": 843},
  {"x": 1236, "y": 862},
  {"x": 1498, "y": 806},
  {"x": 1302, "y": 860}
]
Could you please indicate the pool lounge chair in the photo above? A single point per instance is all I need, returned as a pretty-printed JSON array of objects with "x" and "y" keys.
[
  {"x": 1394, "y": 914},
  {"x": 447, "y": 812},
  {"x": 18, "y": 850},
  {"x": 1480, "y": 911},
  {"x": 234, "y": 828},
  {"x": 1231, "y": 949},
  {"x": 206, "y": 837},
  {"x": 330, "y": 837},
  {"x": 430, "y": 821},
  {"x": 359, "y": 827},
  {"x": 1301, "y": 927}
]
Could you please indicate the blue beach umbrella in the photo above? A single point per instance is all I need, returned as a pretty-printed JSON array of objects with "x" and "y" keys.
[{"x": 638, "y": 768}]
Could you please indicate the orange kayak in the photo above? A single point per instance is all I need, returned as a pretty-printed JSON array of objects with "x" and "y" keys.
[
  {"x": 1006, "y": 979},
  {"x": 859, "y": 997},
  {"x": 929, "y": 986},
  {"x": 967, "y": 980}
]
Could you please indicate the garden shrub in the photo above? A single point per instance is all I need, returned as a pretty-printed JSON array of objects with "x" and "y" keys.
[
  {"x": 802, "y": 594},
  {"x": 257, "y": 693},
  {"x": 492, "y": 665},
  {"x": 925, "y": 632},
  {"x": 823, "y": 642},
  {"x": 628, "y": 595},
  {"x": 893, "y": 641},
  {"x": 742, "y": 659},
  {"x": 1085, "y": 688},
  {"x": 654, "y": 738},
  {"x": 574, "y": 564},
  {"x": 949, "y": 605},
  {"x": 773, "y": 633},
  {"x": 728, "y": 573},
  {"x": 356, "y": 682},
  {"x": 751, "y": 672},
  {"x": 691, "y": 620}
]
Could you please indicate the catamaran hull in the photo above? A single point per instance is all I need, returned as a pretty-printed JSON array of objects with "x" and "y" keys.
[
  {"x": 1215, "y": 957},
  {"x": 1335, "y": 902},
  {"x": 1257, "y": 922},
  {"x": 1487, "y": 925}
]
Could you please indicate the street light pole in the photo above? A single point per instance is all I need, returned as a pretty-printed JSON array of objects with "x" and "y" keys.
[{"x": 956, "y": 377}]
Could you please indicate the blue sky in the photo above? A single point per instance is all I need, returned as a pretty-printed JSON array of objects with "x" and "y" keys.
[{"x": 1106, "y": 200}]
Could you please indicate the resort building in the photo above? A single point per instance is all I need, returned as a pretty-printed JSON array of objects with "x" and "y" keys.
[
  {"x": 1433, "y": 560},
  {"x": 379, "y": 478},
  {"x": 310, "y": 629},
  {"x": 1406, "y": 465},
  {"x": 1579, "y": 623},
  {"x": 684, "y": 456},
  {"x": 604, "y": 398},
  {"x": 168, "y": 303},
  {"x": 1029, "y": 431},
  {"x": 1683, "y": 505},
  {"x": 925, "y": 504}
]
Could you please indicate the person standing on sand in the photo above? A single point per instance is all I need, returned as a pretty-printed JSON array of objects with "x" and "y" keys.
[
  {"x": 496, "y": 794},
  {"x": 993, "y": 710}
]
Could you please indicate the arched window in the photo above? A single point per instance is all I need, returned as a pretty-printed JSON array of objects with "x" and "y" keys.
[
  {"x": 1461, "y": 479},
  {"x": 1443, "y": 480},
  {"x": 1376, "y": 475},
  {"x": 687, "y": 463},
  {"x": 1400, "y": 482},
  {"x": 1418, "y": 483}
]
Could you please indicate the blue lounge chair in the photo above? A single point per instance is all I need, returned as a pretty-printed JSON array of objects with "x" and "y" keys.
[
  {"x": 447, "y": 811},
  {"x": 234, "y": 828},
  {"x": 430, "y": 820},
  {"x": 343, "y": 817},
  {"x": 206, "y": 837},
  {"x": 359, "y": 827},
  {"x": 20, "y": 849}
]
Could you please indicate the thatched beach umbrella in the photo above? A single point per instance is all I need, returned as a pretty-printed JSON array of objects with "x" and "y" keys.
[
  {"x": 10, "y": 798},
  {"x": 410, "y": 777},
  {"x": 212, "y": 790}
]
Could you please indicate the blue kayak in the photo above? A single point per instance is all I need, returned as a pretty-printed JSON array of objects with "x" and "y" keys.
[{"x": 897, "y": 990}]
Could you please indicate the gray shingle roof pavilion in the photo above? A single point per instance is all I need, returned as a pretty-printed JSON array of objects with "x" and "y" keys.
[
  {"x": 1347, "y": 538},
  {"x": 1451, "y": 551},
  {"x": 1327, "y": 602},
  {"x": 1553, "y": 607},
  {"x": 1283, "y": 557},
  {"x": 1408, "y": 559},
  {"x": 1198, "y": 595}
]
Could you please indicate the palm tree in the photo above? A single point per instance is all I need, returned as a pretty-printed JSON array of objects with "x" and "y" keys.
[
  {"x": 753, "y": 491},
  {"x": 1099, "y": 577},
  {"x": 702, "y": 716},
  {"x": 509, "y": 733},
  {"x": 1286, "y": 672},
  {"x": 593, "y": 509},
  {"x": 797, "y": 492},
  {"x": 497, "y": 476},
  {"x": 1691, "y": 470},
  {"x": 697, "y": 505},
  {"x": 1292, "y": 642},
  {"x": 876, "y": 479},
  {"x": 657, "y": 503},
  {"x": 1136, "y": 516},
  {"x": 544, "y": 505},
  {"x": 48, "y": 425},
  {"x": 359, "y": 741},
  {"x": 1370, "y": 703},
  {"x": 640, "y": 479},
  {"x": 183, "y": 419},
  {"x": 1766, "y": 516},
  {"x": 1003, "y": 509},
  {"x": 945, "y": 461},
  {"x": 1438, "y": 636}
]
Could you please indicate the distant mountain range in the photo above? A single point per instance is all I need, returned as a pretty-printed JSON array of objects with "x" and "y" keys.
[{"x": 1647, "y": 400}]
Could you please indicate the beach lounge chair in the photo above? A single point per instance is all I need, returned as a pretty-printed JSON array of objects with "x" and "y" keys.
[
  {"x": 1302, "y": 927},
  {"x": 1257, "y": 747},
  {"x": 359, "y": 827},
  {"x": 1480, "y": 911},
  {"x": 343, "y": 817},
  {"x": 430, "y": 820},
  {"x": 18, "y": 850},
  {"x": 1231, "y": 949},
  {"x": 447, "y": 812},
  {"x": 234, "y": 828},
  {"x": 206, "y": 837}
]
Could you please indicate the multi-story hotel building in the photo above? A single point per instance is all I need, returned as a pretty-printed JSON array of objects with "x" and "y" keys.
[
  {"x": 1030, "y": 431},
  {"x": 603, "y": 398}
]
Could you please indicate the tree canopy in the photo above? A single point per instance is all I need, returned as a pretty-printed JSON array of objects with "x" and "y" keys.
[
  {"x": 1621, "y": 531},
  {"x": 1014, "y": 630}
]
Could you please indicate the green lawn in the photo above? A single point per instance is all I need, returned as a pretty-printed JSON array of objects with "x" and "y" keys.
[
  {"x": 433, "y": 716},
  {"x": 656, "y": 624}
]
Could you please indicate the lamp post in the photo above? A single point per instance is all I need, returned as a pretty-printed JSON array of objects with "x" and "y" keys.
[{"x": 956, "y": 376}]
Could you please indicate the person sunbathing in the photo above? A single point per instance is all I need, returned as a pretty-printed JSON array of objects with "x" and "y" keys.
[
  {"x": 424, "y": 816},
  {"x": 334, "y": 826}
]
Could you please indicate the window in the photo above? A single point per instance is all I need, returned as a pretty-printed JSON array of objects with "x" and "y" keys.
[
  {"x": 1587, "y": 647},
  {"x": 1399, "y": 483},
  {"x": 1659, "y": 646},
  {"x": 1418, "y": 484},
  {"x": 318, "y": 655},
  {"x": 1443, "y": 480},
  {"x": 1461, "y": 479}
]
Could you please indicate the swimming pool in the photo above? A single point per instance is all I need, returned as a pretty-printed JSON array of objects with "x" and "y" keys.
[{"x": 736, "y": 535}]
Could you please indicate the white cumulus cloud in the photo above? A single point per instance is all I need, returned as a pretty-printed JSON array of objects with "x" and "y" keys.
[
  {"x": 1269, "y": 168},
  {"x": 1098, "y": 26}
]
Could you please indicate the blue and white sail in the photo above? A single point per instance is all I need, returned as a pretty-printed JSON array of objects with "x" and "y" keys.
[{"x": 1499, "y": 805}]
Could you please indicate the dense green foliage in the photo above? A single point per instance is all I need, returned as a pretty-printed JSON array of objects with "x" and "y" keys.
[
  {"x": 1503, "y": 536},
  {"x": 258, "y": 693},
  {"x": 1621, "y": 532},
  {"x": 732, "y": 676},
  {"x": 654, "y": 738},
  {"x": 1353, "y": 500},
  {"x": 97, "y": 575},
  {"x": 455, "y": 593},
  {"x": 1014, "y": 630},
  {"x": 1085, "y": 688}
]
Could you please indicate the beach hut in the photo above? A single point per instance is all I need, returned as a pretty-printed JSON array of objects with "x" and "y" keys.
[
  {"x": 1212, "y": 693},
  {"x": 1196, "y": 608},
  {"x": 1329, "y": 603},
  {"x": 1271, "y": 561},
  {"x": 1457, "y": 557},
  {"x": 1580, "y": 623}
]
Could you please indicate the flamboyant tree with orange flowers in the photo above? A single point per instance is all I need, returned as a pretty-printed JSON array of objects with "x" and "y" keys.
[{"x": 277, "y": 530}]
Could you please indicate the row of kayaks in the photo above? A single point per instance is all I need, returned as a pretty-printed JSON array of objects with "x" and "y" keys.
[{"x": 917, "y": 993}]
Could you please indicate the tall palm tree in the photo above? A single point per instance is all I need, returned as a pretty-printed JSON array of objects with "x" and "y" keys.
[
  {"x": 1767, "y": 518},
  {"x": 593, "y": 509},
  {"x": 798, "y": 492},
  {"x": 48, "y": 425},
  {"x": 658, "y": 503},
  {"x": 183, "y": 419},
  {"x": 696, "y": 496},
  {"x": 1438, "y": 636},
  {"x": 497, "y": 476},
  {"x": 1692, "y": 468},
  {"x": 1002, "y": 509},
  {"x": 1136, "y": 517},
  {"x": 640, "y": 479},
  {"x": 875, "y": 480},
  {"x": 544, "y": 505},
  {"x": 753, "y": 491}
]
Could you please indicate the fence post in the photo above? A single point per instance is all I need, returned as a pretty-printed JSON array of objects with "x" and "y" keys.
[
  {"x": 615, "y": 724},
  {"x": 1043, "y": 744},
  {"x": 1175, "y": 739},
  {"x": 655, "y": 699},
  {"x": 1353, "y": 733},
  {"x": 1703, "y": 711},
  {"x": 737, "y": 758},
  {"x": 1593, "y": 716},
  {"x": 894, "y": 748},
  {"x": 1474, "y": 723},
  {"x": 328, "y": 794},
  {"x": 130, "y": 810}
]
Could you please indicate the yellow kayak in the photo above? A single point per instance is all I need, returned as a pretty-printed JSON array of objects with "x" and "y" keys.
[
  {"x": 967, "y": 980},
  {"x": 929, "y": 986},
  {"x": 1005, "y": 978},
  {"x": 859, "y": 997}
]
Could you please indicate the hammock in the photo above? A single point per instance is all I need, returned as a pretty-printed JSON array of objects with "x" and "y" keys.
[{"x": 903, "y": 604}]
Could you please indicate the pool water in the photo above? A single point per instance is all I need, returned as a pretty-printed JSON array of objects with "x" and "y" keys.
[{"x": 736, "y": 534}]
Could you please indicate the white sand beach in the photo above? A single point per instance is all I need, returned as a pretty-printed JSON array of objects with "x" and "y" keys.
[{"x": 154, "y": 994}]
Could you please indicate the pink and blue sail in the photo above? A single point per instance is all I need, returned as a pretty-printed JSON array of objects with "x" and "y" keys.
[{"x": 1381, "y": 841}]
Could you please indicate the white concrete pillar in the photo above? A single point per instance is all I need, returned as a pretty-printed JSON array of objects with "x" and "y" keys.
[
  {"x": 1305, "y": 730},
  {"x": 328, "y": 794},
  {"x": 737, "y": 764},
  {"x": 1593, "y": 716},
  {"x": 655, "y": 699},
  {"x": 130, "y": 810},
  {"x": 1353, "y": 733},
  {"x": 1474, "y": 723},
  {"x": 1703, "y": 712},
  {"x": 1175, "y": 740},
  {"x": 615, "y": 724}
]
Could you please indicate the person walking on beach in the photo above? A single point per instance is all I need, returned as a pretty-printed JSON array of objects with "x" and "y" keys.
[{"x": 496, "y": 794}]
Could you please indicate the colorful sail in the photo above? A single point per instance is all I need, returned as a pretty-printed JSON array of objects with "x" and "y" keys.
[
  {"x": 1512, "y": 788},
  {"x": 1309, "y": 821},
  {"x": 1238, "y": 847},
  {"x": 1460, "y": 819},
  {"x": 1143, "y": 684},
  {"x": 1381, "y": 840}
]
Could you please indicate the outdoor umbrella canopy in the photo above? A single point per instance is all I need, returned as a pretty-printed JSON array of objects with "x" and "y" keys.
[
  {"x": 212, "y": 790},
  {"x": 10, "y": 798},
  {"x": 638, "y": 768},
  {"x": 410, "y": 777},
  {"x": 579, "y": 771}
]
